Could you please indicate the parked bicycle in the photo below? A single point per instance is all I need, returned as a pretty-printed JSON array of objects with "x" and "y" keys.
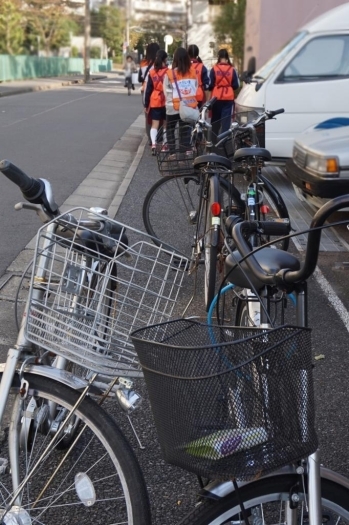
[
  {"x": 93, "y": 281},
  {"x": 198, "y": 200},
  {"x": 241, "y": 398}
]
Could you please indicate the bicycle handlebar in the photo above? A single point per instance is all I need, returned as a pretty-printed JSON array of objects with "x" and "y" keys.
[
  {"x": 235, "y": 127},
  {"x": 32, "y": 189},
  {"x": 312, "y": 251},
  {"x": 36, "y": 191}
]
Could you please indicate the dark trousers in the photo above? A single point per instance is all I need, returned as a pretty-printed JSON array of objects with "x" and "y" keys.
[
  {"x": 184, "y": 131},
  {"x": 221, "y": 116}
]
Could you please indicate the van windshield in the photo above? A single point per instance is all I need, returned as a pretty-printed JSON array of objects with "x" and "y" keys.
[{"x": 275, "y": 60}]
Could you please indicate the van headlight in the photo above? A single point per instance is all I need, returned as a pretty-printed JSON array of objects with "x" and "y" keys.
[{"x": 323, "y": 165}]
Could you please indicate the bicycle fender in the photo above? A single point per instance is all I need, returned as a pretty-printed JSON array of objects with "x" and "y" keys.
[
  {"x": 217, "y": 490},
  {"x": 62, "y": 376},
  {"x": 215, "y": 236}
]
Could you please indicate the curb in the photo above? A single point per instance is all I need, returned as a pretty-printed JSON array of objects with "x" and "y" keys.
[
  {"x": 46, "y": 87},
  {"x": 120, "y": 194}
]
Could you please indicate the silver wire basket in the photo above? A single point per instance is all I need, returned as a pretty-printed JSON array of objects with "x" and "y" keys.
[{"x": 94, "y": 281}]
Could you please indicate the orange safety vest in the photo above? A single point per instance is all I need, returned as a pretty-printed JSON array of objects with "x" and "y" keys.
[
  {"x": 157, "y": 98},
  {"x": 224, "y": 77},
  {"x": 187, "y": 86},
  {"x": 200, "y": 95}
]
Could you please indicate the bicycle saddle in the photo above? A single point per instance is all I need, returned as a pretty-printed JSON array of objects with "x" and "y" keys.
[
  {"x": 244, "y": 153},
  {"x": 203, "y": 160},
  {"x": 270, "y": 259}
]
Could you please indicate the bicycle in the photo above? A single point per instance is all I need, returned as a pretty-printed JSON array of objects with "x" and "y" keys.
[
  {"x": 244, "y": 398},
  {"x": 90, "y": 285},
  {"x": 211, "y": 181},
  {"x": 129, "y": 85}
]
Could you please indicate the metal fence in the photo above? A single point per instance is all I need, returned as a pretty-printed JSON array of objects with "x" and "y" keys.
[{"x": 23, "y": 66}]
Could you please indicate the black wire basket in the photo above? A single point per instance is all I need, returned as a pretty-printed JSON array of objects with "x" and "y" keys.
[
  {"x": 229, "y": 402},
  {"x": 175, "y": 161}
]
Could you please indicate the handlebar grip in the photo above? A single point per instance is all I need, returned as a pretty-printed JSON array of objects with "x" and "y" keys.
[
  {"x": 32, "y": 189},
  {"x": 224, "y": 135},
  {"x": 275, "y": 228},
  {"x": 276, "y": 112}
]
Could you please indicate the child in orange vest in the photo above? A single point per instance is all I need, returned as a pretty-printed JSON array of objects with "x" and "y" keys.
[
  {"x": 203, "y": 80},
  {"x": 181, "y": 83},
  {"x": 145, "y": 66},
  {"x": 154, "y": 98},
  {"x": 223, "y": 81}
]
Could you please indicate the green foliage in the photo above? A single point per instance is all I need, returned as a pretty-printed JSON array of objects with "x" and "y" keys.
[
  {"x": 74, "y": 52},
  {"x": 49, "y": 21},
  {"x": 230, "y": 26},
  {"x": 108, "y": 24},
  {"x": 11, "y": 27},
  {"x": 95, "y": 52}
]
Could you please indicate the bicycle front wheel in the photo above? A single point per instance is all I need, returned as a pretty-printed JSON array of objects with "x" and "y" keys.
[
  {"x": 97, "y": 478},
  {"x": 266, "y": 500}
]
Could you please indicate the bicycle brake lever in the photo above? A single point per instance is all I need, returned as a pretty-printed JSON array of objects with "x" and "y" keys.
[
  {"x": 27, "y": 206},
  {"x": 34, "y": 207}
]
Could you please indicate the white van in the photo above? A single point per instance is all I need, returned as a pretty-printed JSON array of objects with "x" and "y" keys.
[{"x": 309, "y": 77}]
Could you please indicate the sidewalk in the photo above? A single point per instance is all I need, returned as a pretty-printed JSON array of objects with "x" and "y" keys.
[{"x": 17, "y": 87}]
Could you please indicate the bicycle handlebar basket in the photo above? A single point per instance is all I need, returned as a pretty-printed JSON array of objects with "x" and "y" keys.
[
  {"x": 90, "y": 289},
  {"x": 229, "y": 402}
]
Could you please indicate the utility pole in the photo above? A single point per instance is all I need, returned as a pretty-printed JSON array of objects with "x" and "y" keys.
[
  {"x": 128, "y": 14},
  {"x": 87, "y": 42}
]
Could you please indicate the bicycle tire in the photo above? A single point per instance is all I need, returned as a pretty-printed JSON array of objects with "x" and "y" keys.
[
  {"x": 112, "y": 477},
  {"x": 211, "y": 242},
  {"x": 171, "y": 210},
  {"x": 268, "y": 491},
  {"x": 167, "y": 208}
]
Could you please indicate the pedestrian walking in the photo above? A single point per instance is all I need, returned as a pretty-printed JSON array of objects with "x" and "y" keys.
[
  {"x": 180, "y": 84},
  {"x": 145, "y": 67},
  {"x": 154, "y": 98},
  {"x": 223, "y": 81},
  {"x": 202, "y": 73},
  {"x": 129, "y": 68}
]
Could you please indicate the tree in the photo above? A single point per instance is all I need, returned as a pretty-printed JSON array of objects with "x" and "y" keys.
[
  {"x": 50, "y": 21},
  {"x": 108, "y": 24},
  {"x": 11, "y": 27},
  {"x": 230, "y": 26}
]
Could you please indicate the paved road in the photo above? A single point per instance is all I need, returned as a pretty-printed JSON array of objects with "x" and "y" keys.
[{"x": 59, "y": 135}]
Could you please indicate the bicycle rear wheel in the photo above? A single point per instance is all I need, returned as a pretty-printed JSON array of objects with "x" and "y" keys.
[
  {"x": 171, "y": 211},
  {"x": 265, "y": 500},
  {"x": 98, "y": 475}
]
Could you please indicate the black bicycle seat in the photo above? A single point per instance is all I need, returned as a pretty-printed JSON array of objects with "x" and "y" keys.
[
  {"x": 203, "y": 160},
  {"x": 244, "y": 153},
  {"x": 270, "y": 259}
]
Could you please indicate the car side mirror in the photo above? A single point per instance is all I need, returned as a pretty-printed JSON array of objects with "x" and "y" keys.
[
  {"x": 246, "y": 76},
  {"x": 251, "y": 66}
]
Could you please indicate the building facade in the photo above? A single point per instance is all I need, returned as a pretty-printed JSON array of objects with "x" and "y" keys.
[{"x": 271, "y": 23}]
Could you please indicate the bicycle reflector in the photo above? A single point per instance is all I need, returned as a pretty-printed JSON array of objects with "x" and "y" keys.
[
  {"x": 265, "y": 209},
  {"x": 215, "y": 209}
]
